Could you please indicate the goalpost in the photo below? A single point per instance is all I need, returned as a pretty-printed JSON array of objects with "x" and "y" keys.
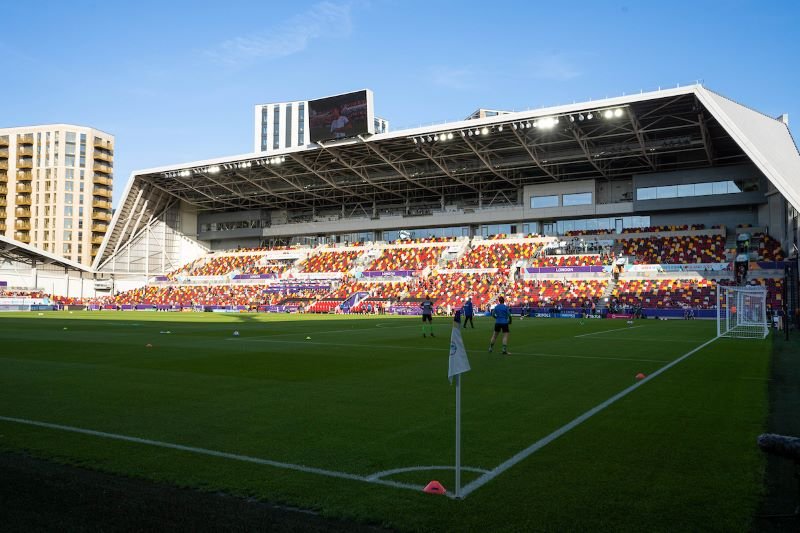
[{"x": 742, "y": 312}]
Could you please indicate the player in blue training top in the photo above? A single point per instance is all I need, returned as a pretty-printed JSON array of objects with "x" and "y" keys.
[
  {"x": 469, "y": 312},
  {"x": 502, "y": 318},
  {"x": 427, "y": 315}
]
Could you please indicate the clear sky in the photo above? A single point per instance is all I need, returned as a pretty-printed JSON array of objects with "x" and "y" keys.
[{"x": 177, "y": 81}]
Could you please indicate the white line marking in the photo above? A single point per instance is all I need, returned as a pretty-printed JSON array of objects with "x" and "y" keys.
[
  {"x": 422, "y": 348},
  {"x": 541, "y": 443},
  {"x": 215, "y": 453},
  {"x": 385, "y": 473},
  {"x": 608, "y": 331}
]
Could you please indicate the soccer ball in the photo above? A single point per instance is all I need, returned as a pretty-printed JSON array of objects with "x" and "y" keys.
[
  {"x": 148, "y": 345},
  {"x": 235, "y": 333},
  {"x": 630, "y": 322}
]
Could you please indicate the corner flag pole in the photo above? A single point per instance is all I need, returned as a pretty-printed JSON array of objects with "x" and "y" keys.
[{"x": 458, "y": 435}]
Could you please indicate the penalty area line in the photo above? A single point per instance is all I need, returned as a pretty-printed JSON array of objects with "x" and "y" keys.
[{"x": 541, "y": 443}]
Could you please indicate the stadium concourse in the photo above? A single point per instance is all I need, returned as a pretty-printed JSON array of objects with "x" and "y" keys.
[{"x": 580, "y": 275}]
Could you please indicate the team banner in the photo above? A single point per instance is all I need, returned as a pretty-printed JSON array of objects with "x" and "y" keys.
[
  {"x": 389, "y": 273},
  {"x": 562, "y": 269},
  {"x": 255, "y": 276}
]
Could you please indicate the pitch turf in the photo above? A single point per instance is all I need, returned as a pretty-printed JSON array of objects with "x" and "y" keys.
[{"x": 369, "y": 395}]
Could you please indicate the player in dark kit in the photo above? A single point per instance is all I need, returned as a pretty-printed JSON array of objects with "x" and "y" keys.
[
  {"x": 469, "y": 312},
  {"x": 502, "y": 319},
  {"x": 427, "y": 316}
]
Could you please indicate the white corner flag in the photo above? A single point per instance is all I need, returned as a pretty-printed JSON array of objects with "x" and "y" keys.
[{"x": 458, "y": 355}]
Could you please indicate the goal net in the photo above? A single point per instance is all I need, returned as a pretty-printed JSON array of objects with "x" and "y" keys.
[{"x": 742, "y": 312}]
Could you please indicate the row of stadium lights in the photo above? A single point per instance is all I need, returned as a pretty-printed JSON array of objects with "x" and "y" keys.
[
  {"x": 544, "y": 123},
  {"x": 215, "y": 169}
]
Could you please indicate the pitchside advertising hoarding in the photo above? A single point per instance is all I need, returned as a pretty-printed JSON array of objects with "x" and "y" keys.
[{"x": 341, "y": 116}]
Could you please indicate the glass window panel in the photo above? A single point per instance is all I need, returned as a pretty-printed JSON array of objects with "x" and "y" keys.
[
  {"x": 703, "y": 189},
  {"x": 538, "y": 202},
  {"x": 583, "y": 198},
  {"x": 720, "y": 187},
  {"x": 666, "y": 191},
  {"x": 685, "y": 190},
  {"x": 733, "y": 187},
  {"x": 646, "y": 193}
]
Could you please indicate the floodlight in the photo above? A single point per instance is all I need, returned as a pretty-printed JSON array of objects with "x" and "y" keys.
[
  {"x": 414, "y": 139},
  {"x": 580, "y": 117},
  {"x": 608, "y": 113},
  {"x": 430, "y": 139},
  {"x": 435, "y": 137},
  {"x": 485, "y": 130},
  {"x": 618, "y": 112},
  {"x": 470, "y": 133},
  {"x": 500, "y": 127},
  {"x": 514, "y": 126},
  {"x": 572, "y": 118},
  {"x": 590, "y": 116},
  {"x": 214, "y": 169},
  {"x": 449, "y": 135}
]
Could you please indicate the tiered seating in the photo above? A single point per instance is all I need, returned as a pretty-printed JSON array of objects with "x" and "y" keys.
[
  {"x": 453, "y": 289},
  {"x": 225, "y": 264},
  {"x": 653, "y": 229},
  {"x": 339, "y": 261},
  {"x": 271, "y": 267},
  {"x": 407, "y": 258},
  {"x": 324, "y": 306},
  {"x": 676, "y": 250},
  {"x": 21, "y": 293},
  {"x": 424, "y": 240},
  {"x": 774, "y": 291},
  {"x": 223, "y": 295},
  {"x": 580, "y": 233},
  {"x": 496, "y": 255},
  {"x": 569, "y": 294},
  {"x": 769, "y": 249},
  {"x": 571, "y": 260},
  {"x": 666, "y": 293}
]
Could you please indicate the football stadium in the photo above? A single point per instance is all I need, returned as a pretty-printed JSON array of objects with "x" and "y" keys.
[{"x": 251, "y": 324}]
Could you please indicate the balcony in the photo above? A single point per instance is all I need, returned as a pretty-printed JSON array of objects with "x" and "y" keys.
[
  {"x": 101, "y": 215},
  {"x": 103, "y": 144},
  {"x": 101, "y": 204},
  {"x": 3, "y": 176},
  {"x": 22, "y": 212},
  {"x": 103, "y": 156},
  {"x": 99, "y": 179},
  {"x": 100, "y": 167},
  {"x": 3, "y": 190},
  {"x": 102, "y": 191},
  {"x": 24, "y": 175},
  {"x": 2, "y": 227},
  {"x": 2, "y": 214},
  {"x": 3, "y": 153},
  {"x": 3, "y": 201},
  {"x": 23, "y": 237},
  {"x": 23, "y": 199},
  {"x": 25, "y": 151},
  {"x": 4, "y": 165},
  {"x": 25, "y": 162},
  {"x": 24, "y": 188},
  {"x": 4, "y": 140},
  {"x": 99, "y": 228},
  {"x": 25, "y": 139},
  {"x": 97, "y": 240},
  {"x": 22, "y": 225}
]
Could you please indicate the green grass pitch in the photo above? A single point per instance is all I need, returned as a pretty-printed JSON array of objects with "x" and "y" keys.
[{"x": 366, "y": 395}]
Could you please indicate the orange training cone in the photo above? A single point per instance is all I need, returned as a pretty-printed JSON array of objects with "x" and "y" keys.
[
  {"x": 434, "y": 487},
  {"x": 640, "y": 376}
]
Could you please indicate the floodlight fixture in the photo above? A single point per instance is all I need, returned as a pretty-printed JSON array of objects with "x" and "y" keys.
[
  {"x": 450, "y": 136},
  {"x": 618, "y": 112},
  {"x": 485, "y": 131}
]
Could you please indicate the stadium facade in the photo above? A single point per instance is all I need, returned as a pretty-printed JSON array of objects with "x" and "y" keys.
[{"x": 684, "y": 155}]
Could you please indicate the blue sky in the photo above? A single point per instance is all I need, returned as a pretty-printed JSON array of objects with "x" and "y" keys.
[{"x": 177, "y": 81}]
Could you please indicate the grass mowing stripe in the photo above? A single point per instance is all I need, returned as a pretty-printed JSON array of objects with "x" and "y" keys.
[
  {"x": 600, "y": 357},
  {"x": 527, "y": 452},
  {"x": 608, "y": 331},
  {"x": 215, "y": 453}
]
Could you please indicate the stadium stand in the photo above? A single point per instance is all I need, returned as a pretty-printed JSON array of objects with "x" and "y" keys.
[
  {"x": 331, "y": 261},
  {"x": 407, "y": 258},
  {"x": 676, "y": 250},
  {"x": 496, "y": 255}
]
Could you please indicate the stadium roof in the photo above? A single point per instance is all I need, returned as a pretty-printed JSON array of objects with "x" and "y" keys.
[
  {"x": 20, "y": 252},
  {"x": 475, "y": 160}
]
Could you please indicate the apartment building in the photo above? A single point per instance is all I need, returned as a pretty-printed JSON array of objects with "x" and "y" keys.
[{"x": 56, "y": 184}]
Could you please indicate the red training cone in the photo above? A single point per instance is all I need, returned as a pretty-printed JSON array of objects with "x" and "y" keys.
[
  {"x": 434, "y": 487},
  {"x": 640, "y": 376}
]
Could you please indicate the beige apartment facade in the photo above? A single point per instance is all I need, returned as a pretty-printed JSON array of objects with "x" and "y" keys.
[{"x": 56, "y": 183}]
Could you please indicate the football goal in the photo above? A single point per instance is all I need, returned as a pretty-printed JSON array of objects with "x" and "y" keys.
[{"x": 742, "y": 312}]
